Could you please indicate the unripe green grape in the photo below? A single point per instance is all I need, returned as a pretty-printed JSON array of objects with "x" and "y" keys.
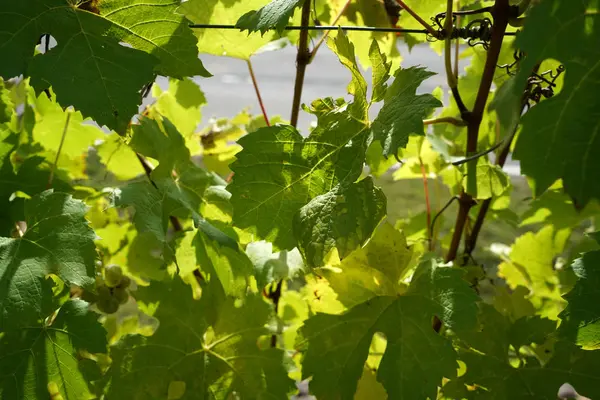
[
  {"x": 125, "y": 282},
  {"x": 108, "y": 305},
  {"x": 113, "y": 274},
  {"x": 103, "y": 291},
  {"x": 121, "y": 295}
]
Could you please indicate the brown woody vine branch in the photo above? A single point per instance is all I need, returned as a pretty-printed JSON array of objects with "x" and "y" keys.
[
  {"x": 302, "y": 60},
  {"x": 501, "y": 13}
]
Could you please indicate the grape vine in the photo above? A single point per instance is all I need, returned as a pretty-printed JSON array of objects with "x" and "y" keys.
[{"x": 431, "y": 236}]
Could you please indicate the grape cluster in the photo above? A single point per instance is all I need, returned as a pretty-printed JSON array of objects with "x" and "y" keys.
[{"x": 112, "y": 291}]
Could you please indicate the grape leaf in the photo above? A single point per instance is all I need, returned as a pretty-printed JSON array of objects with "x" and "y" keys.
[
  {"x": 563, "y": 146},
  {"x": 274, "y": 15},
  {"x": 374, "y": 270},
  {"x": 363, "y": 13},
  {"x": 279, "y": 171},
  {"x": 50, "y": 124},
  {"x": 119, "y": 158},
  {"x": 556, "y": 208},
  {"x": 31, "y": 178},
  {"x": 224, "y": 261},
  {"x": 6, "y": 103},
  {"x": 531, "y": 265},
  {"x": 342, "y": 218},
  {"x": 219, "y": 42},
  {"x": 581, "y": 318},
  {"x": 492, "y": 181},
  {"x": 209, "y": 344},
  {"x": 344, "y": 49},
  {"x": 88, "y": 68},
  {"x": 58, "y": 240},
  {"x": 403, "y": 111},
  {"x": 416, "y": 357},
  {"x": 180, "y": 104},
  {"x": 381, "y": 72},
  {"x": 45, "y": 358},
  {"x": 156, "y": 28},
  {"x": 486, "y": 355},
  {"x": 271, "y": 267}
]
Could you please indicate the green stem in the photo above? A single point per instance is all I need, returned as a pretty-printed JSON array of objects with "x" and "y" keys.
[{"x": 60, "y": 146}]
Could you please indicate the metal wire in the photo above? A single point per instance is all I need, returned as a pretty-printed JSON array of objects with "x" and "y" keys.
[{"x": 328, "y": 28}]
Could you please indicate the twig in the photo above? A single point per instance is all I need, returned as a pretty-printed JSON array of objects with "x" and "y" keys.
[
  {"x": 420, "y": 20},
  {"x": 448, "y": 46},
  {"x": 501, "y": 14},
  {"x": 313, "y": 52},
  {"x": 427, "y": 204},
  {"x": 302, "y": 60},
  {"x": 432, "y": 226},
  {"x": 258, "y": 96},
  {"x": 480, "y": 154},
  {"x": 441, "y": 120},
  {"x": 60, "y": 146},
  {"x": 457, "y": 43}
]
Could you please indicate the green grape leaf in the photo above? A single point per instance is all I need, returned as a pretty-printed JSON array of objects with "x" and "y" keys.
[
  {"x": 581, "y": 318},
  {"x": 403, "y": 111},
  {"x": 30, "y": 178},
  {"x": 448, "y": 289},
  {"x": 219, "y": 42},
  {"x": 278, "y": 171},
  {"x": 562, "y": 146},
  {"x": 492, "y": 181},
  {"x": 274, "y": 15},
  {"x": 381, "y": 72},
  {"x": 271, "y": 267},
  {"x": 6, "y": 103},
  {"x": 374, "y": 270},
  {"x": 88, "y": 68},
  {"x": 343, "y": 218},
  {"x": 45, "y": 361},
  {"x": 209, "y": 344},
  {"x": 180, "y": 104},
  {"x": 556, "y": 208},
  {"x": 50, "y": 125},
  {"x": 119, "y": 159},
  {"x": 344, "y": 49},
  {"x": 229, "y": 265},
  {"x": 363, "y": 13},
  {"x": 532, "y": 329},
  {"x": 531, "y": 265},
  {"x": 156, "y": 28},
  {"x": 491, "y": 376},
  {"x": 59, "y": 241},
  {"x": 416, "y": 357}
]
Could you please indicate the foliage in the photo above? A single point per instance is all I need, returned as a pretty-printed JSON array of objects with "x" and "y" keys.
[{"x": 153, "y": 254}]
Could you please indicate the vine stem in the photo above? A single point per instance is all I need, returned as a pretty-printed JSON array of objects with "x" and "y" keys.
[
  {"x": 456, "y": 45},
  {"x": 313, "y": 53},
  {"x": 448, "y": 45},
  {"x": 441, "y": 120},
  {"x": 501, "y": 14},
  {"x": 60, "y": 146},
  {"x": 257, "y": 90},
  {"x": 302, "y": 60},
  {"x": 427, "y": 203},
  {"x": 418, "y": 18}
]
